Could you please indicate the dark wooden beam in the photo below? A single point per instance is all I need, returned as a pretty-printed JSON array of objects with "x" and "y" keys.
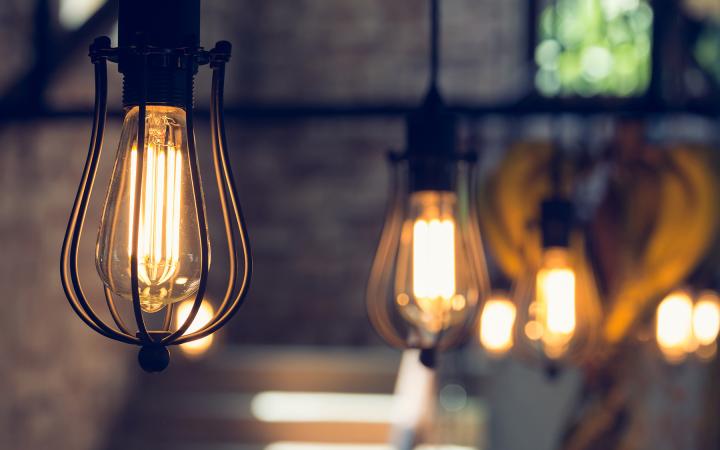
[{"x": 25, "y": 95}]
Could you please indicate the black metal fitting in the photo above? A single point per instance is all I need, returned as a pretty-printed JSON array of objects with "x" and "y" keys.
[
  {"x": 556, "y": 221},
  {"x": 431, "y": 145},
  {"x": 158, "y": 42}
]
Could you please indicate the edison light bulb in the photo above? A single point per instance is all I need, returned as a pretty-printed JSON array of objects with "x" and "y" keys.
[
  {"x": 429, "y": 273},
  {"x": 674, "y": 326},
  {"x": 168, "y": 251},
  {"x": 554, "y": 307},
  {"x": 706, "y": 324},
  {"x": 559, "y": 315},
  {"x": 204, "y": 315},
  {"x": 706, "y": 318},
  {"x": 497, "y": 322}
]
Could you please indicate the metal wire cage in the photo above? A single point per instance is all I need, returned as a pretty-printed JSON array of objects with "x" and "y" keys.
[
  {"x": 426, "y": 288},
  {"x": 154, "y": 356}
]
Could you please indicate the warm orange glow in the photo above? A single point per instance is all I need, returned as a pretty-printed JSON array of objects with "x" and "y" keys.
[
  {"x": 158, "y": 245},
  {"x": 555, "y": 302},
  {"x": 674, "y": 326},
  {"x": 203, "y": 317},
  {"x": 433, "y": 271},
  {"x": 434, "y": 259},
  {"x": 496, "y": 325},
  {"x": 168, "y": 236},
  {"x": 706, "y": 318}
]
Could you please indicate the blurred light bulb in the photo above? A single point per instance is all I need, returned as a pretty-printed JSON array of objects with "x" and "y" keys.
[
  {"x": 706, "y": 318},
  {"x": 427, "y": 293},
  {"x": 432, "y": 270},
  {"x": 496, "y": 325},
  {"x": 555, "y": 301},
  {"x": 168, "y": 252},
  {"x": 559, "y": 317},
  {"x": 203, "y": 317},
  {"x": 429, "y": 271},
  {"x": 674, "y": 326}
]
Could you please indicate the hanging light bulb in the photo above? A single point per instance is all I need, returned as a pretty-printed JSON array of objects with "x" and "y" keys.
[
  {"x": 683, "y": 327},
  {"x": 558, "y": 313},
  {"x": 706, "y": 324},
  {"x": 674, "y": 326},
  {"x": 153, "y": 248},
  {"x": 429, "y": 273},
  {"x": 497, "y": 324}
]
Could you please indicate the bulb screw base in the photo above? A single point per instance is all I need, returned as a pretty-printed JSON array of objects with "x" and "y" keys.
[
  {"x": 156, "y": 41},
  {"x": 431, "y": 145},
  {"x": 164, "y": 86}
]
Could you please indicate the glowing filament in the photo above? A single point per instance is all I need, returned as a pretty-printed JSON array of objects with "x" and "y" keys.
[
  {"x": 434, "y": 259},
  {"x": 555, "y": 303},
  {"x": 159, "y": 224},
  {"x": 433, "y": 276}
]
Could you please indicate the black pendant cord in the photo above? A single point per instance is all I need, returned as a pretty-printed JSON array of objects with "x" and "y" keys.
[
  {"x": 557, "y": 211},
  {"x": 434, "y": 44}
]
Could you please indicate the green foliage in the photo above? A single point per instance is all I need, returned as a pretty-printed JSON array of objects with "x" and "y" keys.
[
  {"x": 594, "y": 47},
  {"x": 707, "y": 50}
]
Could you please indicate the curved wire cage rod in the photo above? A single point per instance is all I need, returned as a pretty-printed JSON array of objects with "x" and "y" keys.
[
  {"x": 234, "y": 296},
  {"x": 202, "y": 225},
  {"x": 68, "y": 260},
  {"x": 143, "y": 334},
  {"x": 379, "y": 272}
]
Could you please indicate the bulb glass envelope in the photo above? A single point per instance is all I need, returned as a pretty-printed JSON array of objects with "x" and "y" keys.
[
  {"x": 559, "y": 317},
  {"x": 151, "y": 253},
  {"x": 429, "y": 275}
]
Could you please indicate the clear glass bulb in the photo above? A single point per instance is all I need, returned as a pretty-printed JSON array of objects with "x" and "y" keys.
[
  {"x": 168, "y": 234},
  {"x": 559, "y": 316},
  {"x": 429, "y": 272}
]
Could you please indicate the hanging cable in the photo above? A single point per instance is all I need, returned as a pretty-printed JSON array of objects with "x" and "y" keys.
[{"x": 434, "y": 42}]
